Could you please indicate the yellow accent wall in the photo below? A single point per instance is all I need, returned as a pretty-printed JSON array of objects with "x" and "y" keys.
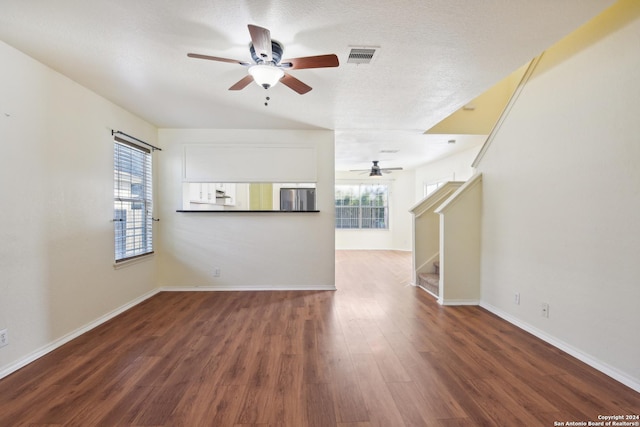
[
  {"x": 261, "y": 196},
  {"x": 486, "y": 111}
]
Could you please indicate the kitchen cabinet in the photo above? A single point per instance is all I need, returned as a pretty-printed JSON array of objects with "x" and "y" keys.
[
  {"x": 226, "y": 194},
  {"x": 212, "y": 193}
]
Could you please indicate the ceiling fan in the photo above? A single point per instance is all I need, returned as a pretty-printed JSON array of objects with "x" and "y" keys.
[
  {"x": 377, "y": 170},
  {"x": 268, "y": 68}
]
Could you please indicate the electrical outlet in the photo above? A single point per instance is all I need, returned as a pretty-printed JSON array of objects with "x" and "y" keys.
[
  {"x": 544, "y": 309},
  {"x": 4, "y": 337},
  {"x": 216, "y": 272},
  {"x": 516, "y": 298}
]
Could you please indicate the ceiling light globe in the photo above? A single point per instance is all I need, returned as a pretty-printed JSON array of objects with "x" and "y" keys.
[{"x": 266, "y": 75}]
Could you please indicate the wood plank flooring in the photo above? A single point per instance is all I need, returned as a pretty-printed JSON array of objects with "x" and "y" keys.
[{"x": 373, "y": 353}]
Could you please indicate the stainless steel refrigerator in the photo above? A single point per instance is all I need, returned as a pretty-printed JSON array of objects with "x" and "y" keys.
[{"x": 297, "y": 199}]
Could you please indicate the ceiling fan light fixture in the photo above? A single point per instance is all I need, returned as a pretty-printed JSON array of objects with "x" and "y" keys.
[{"x": 266, "y": 75}]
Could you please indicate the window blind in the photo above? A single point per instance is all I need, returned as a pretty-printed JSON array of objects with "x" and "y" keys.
[
  {"x": 363, "y": 206},
  {"x": 133, "y": 202}
]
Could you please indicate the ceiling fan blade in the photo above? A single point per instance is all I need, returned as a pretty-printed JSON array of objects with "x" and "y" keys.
[
  {"x": 295, "y": 84},
  {"x": 242, "y": 83},
  {"x": 261, "y": 39},
  {"x": 320, "y": 61},
  {"x": 215, "y": 58},
  {"x": 376, "y": 170}
]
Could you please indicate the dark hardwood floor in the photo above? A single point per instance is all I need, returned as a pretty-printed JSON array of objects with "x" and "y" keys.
[{"x": 373, "y": 353}]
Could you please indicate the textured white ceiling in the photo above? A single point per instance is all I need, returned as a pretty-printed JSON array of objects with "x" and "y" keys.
[{"x": 434, "y": 56}]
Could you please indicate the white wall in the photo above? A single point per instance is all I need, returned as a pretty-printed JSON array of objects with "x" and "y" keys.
[
  {"x": 56, "y": 182},
  {"x": 253, "y": 250},
  {"x": 406, "y": 190},
  {"x": 401, "y": 198},
  {"x": 456, "y": 167},
  {"x": 561, "y": 214}
]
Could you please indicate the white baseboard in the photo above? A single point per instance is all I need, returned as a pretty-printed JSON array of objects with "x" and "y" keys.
[
  {"x": 453, "y": 302},
  {"x": 449, "y": 302},
  {"x": 374, "y": 249},
  {"x": 9, "y": 369},
  {"x": 567, "y": 348},
  {"x": 245, "y": 288}
]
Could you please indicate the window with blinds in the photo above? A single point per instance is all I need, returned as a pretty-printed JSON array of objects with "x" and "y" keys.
[
  {"x": 132, "y": 201},
  {"x": 364, "y": 206}
]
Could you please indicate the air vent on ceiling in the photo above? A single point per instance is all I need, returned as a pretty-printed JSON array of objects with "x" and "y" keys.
[
  {"x": 388, "y": 151},
  {"x": 361, "y": 55}
]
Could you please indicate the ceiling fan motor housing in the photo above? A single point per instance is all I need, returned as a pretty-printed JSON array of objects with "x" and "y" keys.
[
  {"x": 276, "y": 53},
  {"x": 375, "y": 169}
]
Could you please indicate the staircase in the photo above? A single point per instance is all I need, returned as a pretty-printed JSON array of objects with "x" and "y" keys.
[
  {"x": 431, "y": 281},
  {"x": 446, "y": 227}
]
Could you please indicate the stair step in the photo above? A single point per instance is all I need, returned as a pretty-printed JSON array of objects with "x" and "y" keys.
[
  {"x": 431, "y": 278},
  {"x": 430, "y": 282}
]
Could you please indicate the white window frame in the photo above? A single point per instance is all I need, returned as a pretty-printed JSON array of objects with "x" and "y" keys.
[
  {"x": 431, "y": 186},
  {"x": 133, "y": 200}
]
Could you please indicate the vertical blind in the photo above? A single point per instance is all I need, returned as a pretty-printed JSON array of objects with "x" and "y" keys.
[{"x": 132, "y": 202}]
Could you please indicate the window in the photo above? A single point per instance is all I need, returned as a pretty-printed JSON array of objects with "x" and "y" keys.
[
  {"x": 363, "y": 206},
  {"x": 430, "y": 187},
  {"x": 132, "y": 200}
]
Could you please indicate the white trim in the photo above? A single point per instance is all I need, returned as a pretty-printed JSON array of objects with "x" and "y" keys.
[
  {"x": 428, "y": 264},
  {"x": 133, "y": 261},
  {"x": 20, "y": 363},
  {"x": 507, "y": 109},
  {"x": 567, "y": 348},
  {"x": 246, "y": 288},
  {"x": 373, "y": 249},
  {"x": 454, "y": 302},
  {"x": 435, "y": 199},
  {"x": 468, "y": 185}
]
